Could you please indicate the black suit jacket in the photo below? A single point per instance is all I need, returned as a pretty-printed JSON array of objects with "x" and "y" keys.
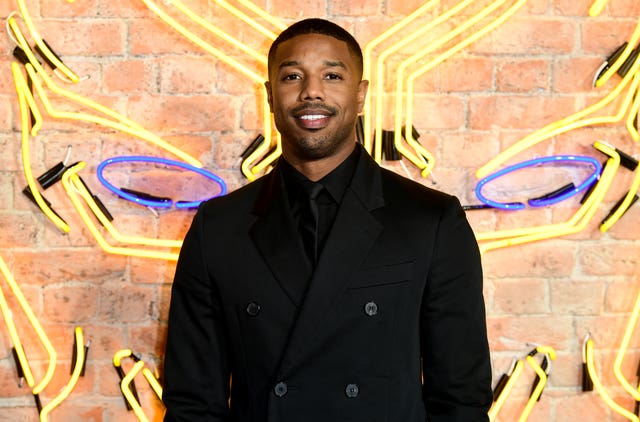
[{"x": 396, "y": 299}]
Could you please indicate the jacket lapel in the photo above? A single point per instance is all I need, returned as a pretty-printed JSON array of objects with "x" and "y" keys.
[
  {"x": 277, "y": 239},
  {"x": 352, "y": 236}
]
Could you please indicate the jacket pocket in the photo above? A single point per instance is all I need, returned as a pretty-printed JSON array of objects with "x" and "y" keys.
[{"x": 382, "y": 275}]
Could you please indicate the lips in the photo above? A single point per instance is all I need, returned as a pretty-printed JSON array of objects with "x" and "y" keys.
[{"x": 313, "y": 119}]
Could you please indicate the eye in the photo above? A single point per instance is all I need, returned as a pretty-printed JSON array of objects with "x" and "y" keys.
[
  {"x": 291, "y": 77},
  {"x": 333, "y": 76}
]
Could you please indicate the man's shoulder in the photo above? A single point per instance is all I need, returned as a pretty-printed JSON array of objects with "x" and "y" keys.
[
  {"x": 237, "y": 201},
  {"x": 398, "y": 188}
]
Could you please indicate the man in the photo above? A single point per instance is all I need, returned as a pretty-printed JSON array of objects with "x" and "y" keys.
[{"x": 377, "y": 315}]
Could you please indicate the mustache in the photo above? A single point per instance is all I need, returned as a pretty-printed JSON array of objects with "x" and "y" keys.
[{"x": 315, "y": 107}]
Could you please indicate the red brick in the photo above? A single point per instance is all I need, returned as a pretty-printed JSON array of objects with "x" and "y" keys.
[
  {"x": 130, "y": 76},
  {"x": 148, "y": 340},
  {"x": 605, "y": 330},
  {"x": 66, "y": 9},
  {"x": 124, "y": 9},
  {"x": 629, "y": 8},
  {"x": 65, "y": 265},
  {"x": 152, "y": 271},
  {"x": 70, "y": 303},
  {"x": 548, "y": 258},
  {"x": 610, "y": 259},
  {"x": 552, "y": 330},
  {"x": 571, "y": 8},
  {"x": 529, "y": 36},
  {"x": 521, "y": 296},
  {"x": 575, "y": 74},
  {"x": 153, "y": 36},
  {"x": 583, "y": 407},
  {"x": 88, "y": 37},
  {"x": 599, "y": 38},
  {"x": 353, "y": 8},
  {"x": 187, "y": 75},
  {"x": 576, "y": 297},
  {"x": 523, "y": 76},
  {"x": 126, "y": 303},
  {"x": 517, "y": 112},
  {"x": 19, "y": 229},
  {"x": 186, "y": 114},
  {"x": 297, "y": 9},
  {"x": 438, "y": 112}
]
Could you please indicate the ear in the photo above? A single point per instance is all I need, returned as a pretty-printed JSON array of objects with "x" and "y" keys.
[
  {"x": 267, "y": 86},
  {"x": 363, "y": 87}
]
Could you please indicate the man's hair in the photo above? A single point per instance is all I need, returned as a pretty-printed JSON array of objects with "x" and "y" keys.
[{"x": 317, "y": 26}]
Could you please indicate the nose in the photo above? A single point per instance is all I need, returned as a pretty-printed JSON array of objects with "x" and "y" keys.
[{"x": 312, "y": 90}]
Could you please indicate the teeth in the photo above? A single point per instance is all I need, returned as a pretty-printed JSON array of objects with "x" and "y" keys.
[{"x": 312, "y": 116}]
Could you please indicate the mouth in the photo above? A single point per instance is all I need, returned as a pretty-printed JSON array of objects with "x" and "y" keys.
[{"x": 313, "y": 119}]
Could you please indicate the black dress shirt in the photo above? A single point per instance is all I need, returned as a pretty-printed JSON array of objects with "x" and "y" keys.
[{"x": 335, "y": 184}]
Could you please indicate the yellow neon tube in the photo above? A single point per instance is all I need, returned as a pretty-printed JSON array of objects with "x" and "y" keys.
[
  {"x": 624, "y": 205},
  {"x": 261, "y": 58},
  {"x": 536, "y": 392},
  {"x": 597, "y": 384},
  {"x": 440, "y": 58},
  {"x": 577, "y": 222},
  {"x": 128, "y": 394},
  {"x": 153, "y": 382},
  {"x": 597, "y": 7},
  {"x": 42, "y": 336},
  {"x": 444, "y": 56},
  {"x": 45, "y": 50},
  {"x": 147, "y": 241},
  {"x": 417, "y": 161},
  {"x": 558, "y": 126},
  {"x": 75, "y": 375},
  {"x": 635, "y": 36},
  {"x": 368, "y": 50},
  {"x": 264, "y": 15},
  {"x": 497, "y": 405},
  {"x": 624, "y": 345},
  {"x": 264, "y": 146},
  {"x": 21, "y": 89},
  {"x": 119, "y": 355},
  {"x": 15, "y": 340},
  {"x": 633, "y": 116},
  {"x": 243, "y": 17},
  {"x": 126, "y": 125},
  {"x": 70, "y": 182}
]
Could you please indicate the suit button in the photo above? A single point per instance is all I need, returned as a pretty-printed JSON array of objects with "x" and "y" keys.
[
  {"x": 280, "y": 389},
  {"x": 371, "y": 308},
  {"x": 352, "y": 390},
  {"x": 253, "y": 309}
]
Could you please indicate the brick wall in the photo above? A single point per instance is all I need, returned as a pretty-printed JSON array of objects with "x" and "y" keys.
[{"x": 534, "y": 69}]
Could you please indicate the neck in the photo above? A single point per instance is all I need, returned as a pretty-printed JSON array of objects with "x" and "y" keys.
[{"x": 315, "y": 170}]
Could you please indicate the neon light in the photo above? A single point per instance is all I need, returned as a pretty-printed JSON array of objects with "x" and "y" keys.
[
  {"x": 21, "y": 90},
  {"x": 624, "y": 345},
  {"x": 127, "y": 379},
  {"x": 554, "y": 159},
  {"x": 42, "y": 336},
  {"x": 597, "y": 384},
  {"x": 513, "y": 378},
  {"x": 75, "y": 375},
  {"x": 575, "y": 224},
  {"x": 157, "y": 160},
  {"x": 122, "y": 123},
  {"x": 571, "y": 122},
  {"x": 72, "y": 185},
  {"x": 43, "y": 47},
  {"x": 628, "y": 200}
]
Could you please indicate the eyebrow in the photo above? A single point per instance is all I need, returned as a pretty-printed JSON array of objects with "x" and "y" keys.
[{"x": 327, "y": 63}]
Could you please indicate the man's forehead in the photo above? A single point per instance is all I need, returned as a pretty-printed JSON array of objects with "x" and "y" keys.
[{"x": 309, "y": 44}]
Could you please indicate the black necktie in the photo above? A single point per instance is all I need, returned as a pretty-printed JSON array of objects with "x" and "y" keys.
[{"x": 310, "y": 220}]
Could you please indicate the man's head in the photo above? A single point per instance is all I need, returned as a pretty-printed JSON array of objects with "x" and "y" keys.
[
  {"x": 321, "y": 27},
  {"x": 315, "y": 91}
]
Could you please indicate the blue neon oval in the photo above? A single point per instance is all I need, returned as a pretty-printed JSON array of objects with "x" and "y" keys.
[
  {"x": 157, "y": 160},
  {"x": 573, "y": 159}
]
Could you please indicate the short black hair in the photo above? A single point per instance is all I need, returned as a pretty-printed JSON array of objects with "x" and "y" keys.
[{"x": 317, "y": 26}]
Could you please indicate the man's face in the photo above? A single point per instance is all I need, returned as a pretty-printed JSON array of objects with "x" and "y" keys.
[{"x": 315, "y": 94}]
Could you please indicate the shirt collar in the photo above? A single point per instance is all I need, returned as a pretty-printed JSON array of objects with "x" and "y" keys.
[{"x": 335, "y": 182}]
